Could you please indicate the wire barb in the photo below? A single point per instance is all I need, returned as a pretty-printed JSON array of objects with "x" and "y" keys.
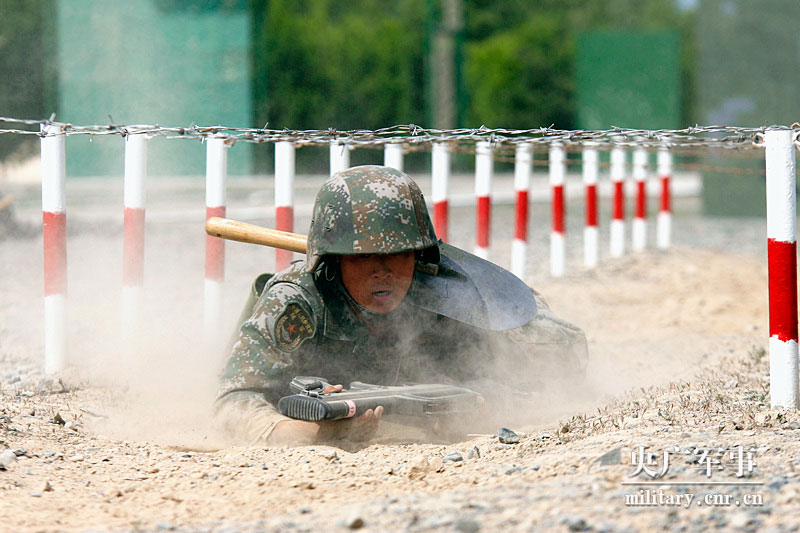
[{"x": 414, "y": 138}]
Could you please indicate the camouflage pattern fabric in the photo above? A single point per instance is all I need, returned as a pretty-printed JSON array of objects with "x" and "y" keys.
[
  {"x": 369, "y": 210},
  {"x": 345, "y": 342},
  {"x": 302, "y": 321}
]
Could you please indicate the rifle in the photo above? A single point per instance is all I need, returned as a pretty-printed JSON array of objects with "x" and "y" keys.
[{"x": 417, "y": 401}]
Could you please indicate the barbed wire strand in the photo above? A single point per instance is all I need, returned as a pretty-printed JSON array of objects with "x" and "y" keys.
[{"x": 415, "y": 138}]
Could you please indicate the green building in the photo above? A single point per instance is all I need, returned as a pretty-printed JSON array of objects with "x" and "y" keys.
[
  {"x": 171, "y": 62},
  {"x": 629, "y": 79}
]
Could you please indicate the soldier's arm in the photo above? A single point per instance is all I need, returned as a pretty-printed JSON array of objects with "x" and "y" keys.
[
  {"x": 259, "y": 370},
  {"x": 260, "y": 364}
]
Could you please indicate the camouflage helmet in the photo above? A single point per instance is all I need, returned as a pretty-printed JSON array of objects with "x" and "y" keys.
[{"x": 370, "y": 210}]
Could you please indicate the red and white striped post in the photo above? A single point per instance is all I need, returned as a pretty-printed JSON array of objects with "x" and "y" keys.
[
  {"x": 664, "y": 227},
  {"x": 590, "y": 231},
  {"x": 54, "y": 228},
  {"x": 440, "y": 169},
  {"x": 284, "y": 198},
  {"x": 782, "y": 259},
  {"x": 639, "y": 228},
  {"x": 558, "y": 171},
  {"x": 393, "y": 156},
  {"x": 617, "y": 238},
  {"x": 522, "y": 183},
  {"x": 484, "y": 168},
  {"x": 133, "y": 234},
  {"x": 216, "y": 175},
  {"x": 340, "y": 156}
]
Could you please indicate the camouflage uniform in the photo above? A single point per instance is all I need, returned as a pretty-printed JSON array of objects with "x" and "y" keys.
[{"x": 302, "y": 321}]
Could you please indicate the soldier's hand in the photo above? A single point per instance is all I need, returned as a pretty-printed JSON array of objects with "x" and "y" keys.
[{"x": 359, "y": 429}]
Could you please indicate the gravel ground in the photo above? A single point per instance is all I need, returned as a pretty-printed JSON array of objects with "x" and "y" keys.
[{"x": 120, "y": 440}]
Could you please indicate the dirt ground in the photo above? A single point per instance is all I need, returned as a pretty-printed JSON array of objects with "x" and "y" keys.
[{"x": 121, "y": 440}]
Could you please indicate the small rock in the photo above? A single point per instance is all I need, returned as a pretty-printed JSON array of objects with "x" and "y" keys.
[
  {"x": 474, "y": 453},
  {"x": 453, "y": 456},
  {"x": 52, "y": 385},
  {"x": 58, "y": 420},
  {"x": 577, "y": 524},
  {"x": 47, "y": 487},
  {"x": 762, "y": 418},
  {"x": 467, "y": 525},
  {"x": 502, "y": 446},
  {"x": 419, "y": 469},
  {"x": 72, "y": 426},
  {"x": 330, "y": 455},
  {"x": 612, "y": 457},
  {"x": 506, "y": 436},
  {"x": 775, "y": 484},
  {"x": 76, "y": 458},
  {"x": 354, "y": 521},
  {"x": 7, "y": 458},
  {"x": 513, "y": 470}
]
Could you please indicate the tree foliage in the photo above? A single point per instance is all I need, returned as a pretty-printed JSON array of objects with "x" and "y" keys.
[{"x": 338, "y": 64}]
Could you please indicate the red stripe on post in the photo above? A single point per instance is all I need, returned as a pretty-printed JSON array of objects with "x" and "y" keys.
[
  {"x": 133, "y": 247},
  {"x": 54, "y": 228},
  {"x": 215, "y": 249},
  {"x": 665, "y": 196},
  {"x": 619, "y": 201},
  {"x": 521, "y": 219},
  {"x": 484, "y": 216},
  {"x": 591, "y": 205},
  {"x": 284, "y": 221},
  {"x": 782, "y": 258},
  {"x": 440, "y": 210},
  {"x": 641, "y": 200},
  {"x": 558, "y": 208}
]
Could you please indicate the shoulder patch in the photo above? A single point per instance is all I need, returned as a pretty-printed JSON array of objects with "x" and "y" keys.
[{"x": 292, "y": 327}]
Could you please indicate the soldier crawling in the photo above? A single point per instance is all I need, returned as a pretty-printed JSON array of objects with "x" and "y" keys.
[{"x": 380, "y": 300}]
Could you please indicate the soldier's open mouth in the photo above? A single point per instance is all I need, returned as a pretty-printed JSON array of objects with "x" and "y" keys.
[{"x": 382, "y": 295}]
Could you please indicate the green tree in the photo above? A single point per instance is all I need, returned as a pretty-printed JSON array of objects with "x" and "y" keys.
[
  {"x": 521, "y": 55},
  {"x": 26, "y": 89},
  {"x": 323, "y": 64},
  {"x": 521, "y": 77}
]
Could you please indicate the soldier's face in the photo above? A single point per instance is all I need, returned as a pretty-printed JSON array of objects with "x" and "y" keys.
[{"x": 378, "y": 282}]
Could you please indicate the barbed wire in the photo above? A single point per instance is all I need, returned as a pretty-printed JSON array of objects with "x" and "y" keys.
[{"x": 416, "y": 138}]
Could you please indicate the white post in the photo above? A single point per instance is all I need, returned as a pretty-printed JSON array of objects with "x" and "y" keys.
[
  {"x": 133, "y": 236},
  {"x": 216, "y": 176},
  {"x": 639, "y": 229},
  {"x": 782, "y": 259},
  {"x": 340, "y": 156},
  {"x": 284, "y": 198},
  {"x": 393, "y": 156},
  {"x": 558, "y": 170},
  {"x": 590, "y": 232},
  {"x": 440, "y": 169},
  {"x": 522, "y": 183},
  {"x": 617, "y": 240},
  {"x": 54, "y": 228},
  {"x": 664, "y": 228},
  {"x": 484, "y": 168}
]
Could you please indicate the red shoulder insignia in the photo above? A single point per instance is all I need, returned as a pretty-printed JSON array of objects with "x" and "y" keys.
[{"x": 292, "y": 327}]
